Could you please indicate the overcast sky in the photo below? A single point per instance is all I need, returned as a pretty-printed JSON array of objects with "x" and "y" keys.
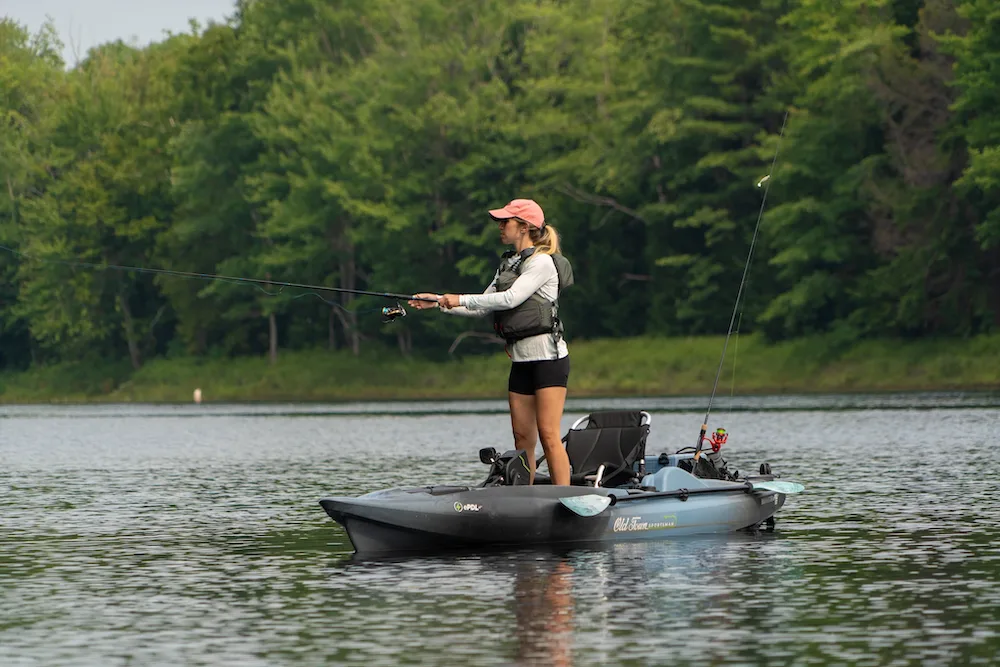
[{"x": 87, "y": 23}]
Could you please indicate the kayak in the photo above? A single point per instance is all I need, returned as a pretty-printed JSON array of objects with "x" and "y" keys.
[{"x": 658, "y": 497}]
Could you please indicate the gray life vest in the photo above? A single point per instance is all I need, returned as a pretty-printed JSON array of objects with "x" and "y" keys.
[{"x": 535, "y": 315}]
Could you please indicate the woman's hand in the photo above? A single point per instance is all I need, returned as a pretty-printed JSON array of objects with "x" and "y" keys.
[
  {"x": 418, "y": 303},
  {"x": 448, "y": 301}
]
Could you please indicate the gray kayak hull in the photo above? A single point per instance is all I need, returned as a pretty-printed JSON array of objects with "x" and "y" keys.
[{"x": 455, "y": 517}]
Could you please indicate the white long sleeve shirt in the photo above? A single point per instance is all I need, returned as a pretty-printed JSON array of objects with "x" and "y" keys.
[{"x": 538, "y": 275}]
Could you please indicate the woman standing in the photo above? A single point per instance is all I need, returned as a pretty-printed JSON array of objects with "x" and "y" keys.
[{"x": 523, "y": 299}]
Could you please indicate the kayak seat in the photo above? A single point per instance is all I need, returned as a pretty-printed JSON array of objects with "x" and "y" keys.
[{"x": 615, "y": 439}]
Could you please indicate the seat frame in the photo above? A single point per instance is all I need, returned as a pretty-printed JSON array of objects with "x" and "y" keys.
[{"x": 647, "y": 419}]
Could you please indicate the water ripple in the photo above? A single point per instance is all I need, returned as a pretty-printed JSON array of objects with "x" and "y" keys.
[{"x": 140, "y": 536}]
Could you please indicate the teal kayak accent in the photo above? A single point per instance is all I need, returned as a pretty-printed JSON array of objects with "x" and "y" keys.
[
  {"x": 591, "y": 505},
  {"x": 778, "y": 487}
]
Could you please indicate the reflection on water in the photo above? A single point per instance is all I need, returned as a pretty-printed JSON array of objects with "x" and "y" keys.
[
  {"x": 159, "y": 539},
  {"x": 543, "y": 607}
]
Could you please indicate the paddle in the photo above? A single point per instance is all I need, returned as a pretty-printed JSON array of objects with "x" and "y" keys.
[
  {"x": 593, "y": 504},
  {"x": 589, "y": 505},
  {"x": 778, "y": 487}
]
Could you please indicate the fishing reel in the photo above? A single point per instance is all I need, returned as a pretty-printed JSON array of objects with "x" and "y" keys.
[
  {"x": 392, "y": 313},
  {"x": 718, "y": 439}
]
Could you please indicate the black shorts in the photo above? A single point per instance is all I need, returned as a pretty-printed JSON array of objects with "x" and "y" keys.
[{"x": 528, "y": 376}]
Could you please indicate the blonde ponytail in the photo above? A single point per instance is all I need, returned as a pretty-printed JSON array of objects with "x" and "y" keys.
[{"x": 546, "y": 239}]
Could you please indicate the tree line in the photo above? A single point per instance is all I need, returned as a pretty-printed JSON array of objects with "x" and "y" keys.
[{"x": 359, "y": 143}]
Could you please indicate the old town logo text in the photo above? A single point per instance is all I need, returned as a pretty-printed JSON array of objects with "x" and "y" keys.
[{"x": 624, "y": 524}]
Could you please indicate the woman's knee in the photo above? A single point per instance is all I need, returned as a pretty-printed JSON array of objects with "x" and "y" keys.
[
  {"x": 525, "y": 439},
  {"x": 552, "y": 444},
  {"x": 549, "y": 436}
]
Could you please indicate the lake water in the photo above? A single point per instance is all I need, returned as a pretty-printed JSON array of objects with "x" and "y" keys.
[{"x": 192, "y": 535}]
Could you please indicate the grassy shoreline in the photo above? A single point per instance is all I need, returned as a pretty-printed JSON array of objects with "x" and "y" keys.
[{"x": 622, "y": 367}]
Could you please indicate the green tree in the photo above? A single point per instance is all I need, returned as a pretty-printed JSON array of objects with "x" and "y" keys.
[
  {"x": 30, "y": 75},
  {"x": 977, "y": 78},
  {"x": 817, "y": 226},
  {"x": 213, "y": 224},
  {"x": 103, "y": 199}
]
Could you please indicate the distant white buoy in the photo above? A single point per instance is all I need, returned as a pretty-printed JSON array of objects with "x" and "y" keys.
[{"x": 197, "y": 395}]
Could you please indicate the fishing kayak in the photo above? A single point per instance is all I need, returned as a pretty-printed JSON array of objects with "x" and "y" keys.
[{"x": 656, "y": 497}]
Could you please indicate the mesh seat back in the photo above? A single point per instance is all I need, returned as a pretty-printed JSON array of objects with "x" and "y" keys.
[{"x": 618, "y": 448}]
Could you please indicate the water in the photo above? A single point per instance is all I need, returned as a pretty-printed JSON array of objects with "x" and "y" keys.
[{"x": 191, "y": 535}]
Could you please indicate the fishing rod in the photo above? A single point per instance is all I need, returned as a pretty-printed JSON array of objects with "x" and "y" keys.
[
  {"x": 766, "y": 182},
  {"x": 390, "y": 312}
]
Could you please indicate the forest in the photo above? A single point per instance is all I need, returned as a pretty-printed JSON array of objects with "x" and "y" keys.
[{"x": 359, "y": 143}]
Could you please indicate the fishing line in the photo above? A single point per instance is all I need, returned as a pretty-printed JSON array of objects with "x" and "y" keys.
[
  {"x": 766, "y": 181},
  {"x": 255, "y": 282}
]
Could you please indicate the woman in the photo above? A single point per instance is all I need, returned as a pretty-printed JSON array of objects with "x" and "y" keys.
[{"x": 522, "y": 297}]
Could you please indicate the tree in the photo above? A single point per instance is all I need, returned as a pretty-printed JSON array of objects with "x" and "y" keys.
[
  {"x": 30, "y": 73},
  {"x": 101, "y": 202}
]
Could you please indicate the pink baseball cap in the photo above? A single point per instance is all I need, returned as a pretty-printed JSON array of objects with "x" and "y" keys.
[{"x": 524, "y": 209}]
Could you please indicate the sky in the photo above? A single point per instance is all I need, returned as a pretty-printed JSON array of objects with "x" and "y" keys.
[{"x": 82, "y": 24}]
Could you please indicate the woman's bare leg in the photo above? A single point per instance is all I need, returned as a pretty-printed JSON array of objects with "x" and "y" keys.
[
  {"x": 522, "y": 420},
  {"x": 549, "y": 403}
]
